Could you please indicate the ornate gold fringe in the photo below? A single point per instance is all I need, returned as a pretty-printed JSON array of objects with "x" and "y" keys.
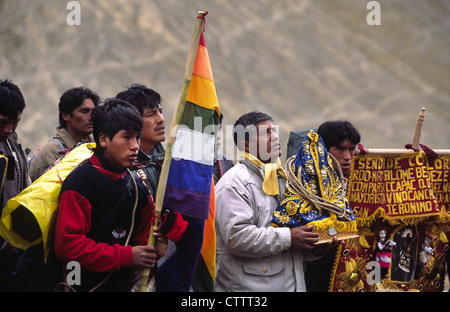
[
  {"x": 380, "y": 214},
  {"x": 341, "y": 226},
  {"x": 335, "y": 265}
]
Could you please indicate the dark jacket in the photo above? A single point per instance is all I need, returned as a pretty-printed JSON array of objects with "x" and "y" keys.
[
  {"x": 151, "y": 166},
  {"x": 17, "y": 169},
  {"x": 94, "y": 221}
]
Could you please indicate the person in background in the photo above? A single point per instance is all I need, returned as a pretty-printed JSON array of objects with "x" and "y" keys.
[
  {"x": 151, "y": 154},
  {"x": 75, "y": 107},
  {"x": 341, "y": 139},
  {"x": 202, "y": 282},
  {"x": 221, "y": 163},
  {"x": 16, "y": 178}
]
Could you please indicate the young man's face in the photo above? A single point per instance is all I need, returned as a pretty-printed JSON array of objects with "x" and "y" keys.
[
  {"x": 122, "y": 150},
  {"x": 344, "y": 153},
  {"x": 78, "y": 122},
  {"x": 154, "y": 128},
  {"x": 8, "y": 126}
]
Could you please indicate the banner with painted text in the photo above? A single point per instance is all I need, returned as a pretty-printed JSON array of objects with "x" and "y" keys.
[
  {"x": 395, "y": 186},
  {"x": 401, "y": 204}
]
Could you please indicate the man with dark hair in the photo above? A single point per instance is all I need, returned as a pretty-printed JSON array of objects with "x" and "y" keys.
[
  {"x": 151, "y": 152},
  {"x": 340, "y": 139},
  {"x": 16, "y": 178},
  {"x": 251, "y": 254},
  {"x": 75, "y": 107},
  {"x": 246, "y": 126},
  {"x": 12, "y": 104},
  {"x": 105, "y": 214}
]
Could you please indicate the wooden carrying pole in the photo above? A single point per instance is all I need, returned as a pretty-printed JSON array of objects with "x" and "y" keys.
[
  {"x": 415, "y": 144},
  {"x": 418, "y": 131},
  {"x": 178, "y": 112},
  {"x": 398, "y": 151}
]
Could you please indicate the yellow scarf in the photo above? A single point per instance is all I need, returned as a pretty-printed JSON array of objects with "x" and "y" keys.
[{"x": 271, "y": 173}]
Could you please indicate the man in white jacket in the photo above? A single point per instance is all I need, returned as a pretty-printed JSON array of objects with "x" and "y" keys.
[{"x": 251, "y": 254}]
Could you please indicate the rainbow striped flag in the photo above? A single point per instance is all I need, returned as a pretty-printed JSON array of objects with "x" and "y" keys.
[
  {"x": 191, "y": 167},
  {"x": 205, "y": 274},
  {"x": 190, "y": 159}
]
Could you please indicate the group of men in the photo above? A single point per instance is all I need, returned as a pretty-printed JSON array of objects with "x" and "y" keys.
[
  {"x": 106, "y": 203},
  {"x": 105, "y": 209},
  {"x": 251, "y": 254}
]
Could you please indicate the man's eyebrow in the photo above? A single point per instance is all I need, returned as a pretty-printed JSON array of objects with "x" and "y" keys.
[
  {"x": 350, "y": 147},
  {"x": 9, "y": 121}
]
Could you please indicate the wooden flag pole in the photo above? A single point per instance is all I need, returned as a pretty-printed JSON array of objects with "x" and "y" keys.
[{"x": 178, "y": 112}]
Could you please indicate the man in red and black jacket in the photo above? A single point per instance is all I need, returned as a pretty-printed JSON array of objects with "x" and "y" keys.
[{"x": 100, "y": 223}]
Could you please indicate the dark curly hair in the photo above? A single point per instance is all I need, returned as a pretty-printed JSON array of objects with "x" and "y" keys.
[
  {"x": 12, "y": 101},
  {"x": 113, "y": 116}
]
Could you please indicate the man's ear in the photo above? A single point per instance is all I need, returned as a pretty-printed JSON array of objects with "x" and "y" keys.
[
  {"x": 245, "y": 145},
  {"x": 103, "y": 139},
  {"x": 66, "y": 116}
]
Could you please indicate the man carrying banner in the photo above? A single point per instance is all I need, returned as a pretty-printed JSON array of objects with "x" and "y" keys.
[
  {"x": 251, "y": 254},
  {"x": 340, "y": 139}
]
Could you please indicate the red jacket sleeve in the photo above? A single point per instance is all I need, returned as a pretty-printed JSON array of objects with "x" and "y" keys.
[{"x": 71, "y": 243}]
